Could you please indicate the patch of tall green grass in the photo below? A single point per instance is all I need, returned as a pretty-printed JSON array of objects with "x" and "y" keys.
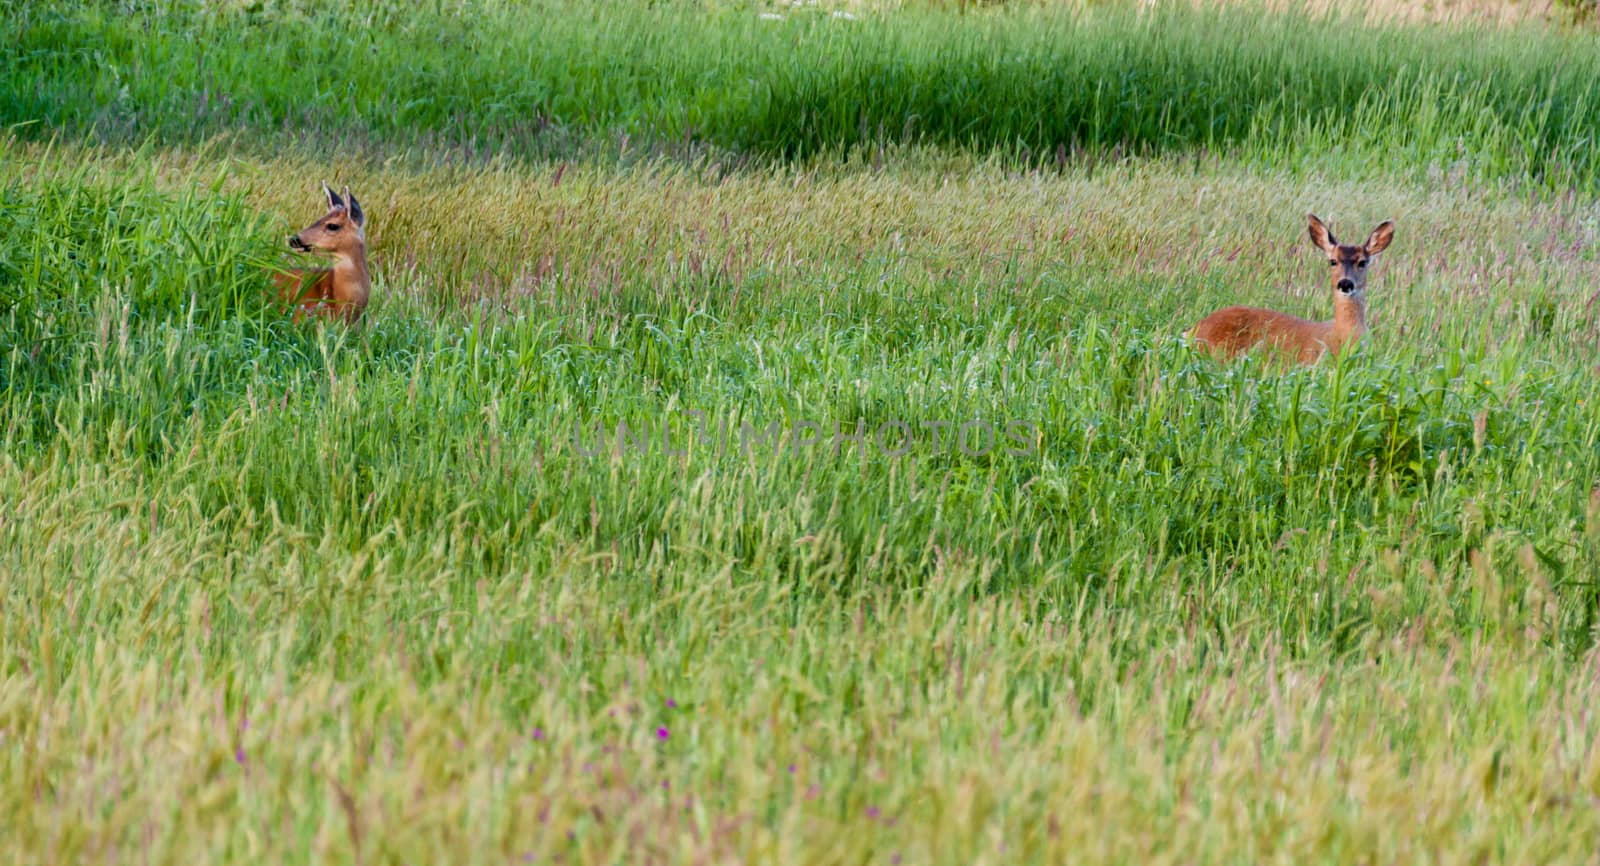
[{"x": 1040, "y": 84}]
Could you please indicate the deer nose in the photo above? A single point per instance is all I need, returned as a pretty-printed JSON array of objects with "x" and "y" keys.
[{"x": 1346, "y": 286}]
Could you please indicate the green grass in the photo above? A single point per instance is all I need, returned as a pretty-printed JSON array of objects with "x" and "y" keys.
[
  {"x": 294, "y": 594},
  {"x": 1039, "y": 84}
]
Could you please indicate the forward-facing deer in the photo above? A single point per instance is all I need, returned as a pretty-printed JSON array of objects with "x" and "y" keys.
[
  {"x": 340, "y": 292},
  {"x": 1233, "y": 330}
]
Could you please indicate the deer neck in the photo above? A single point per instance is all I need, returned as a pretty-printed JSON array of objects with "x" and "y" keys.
[
  {"x": 350, "y": 279},
  {"x": 1349, "y": 318}
]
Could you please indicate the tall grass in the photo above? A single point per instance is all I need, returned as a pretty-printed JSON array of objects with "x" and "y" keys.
[
  {"x": 292, "y": 593},
  {"x": 139, "y": 333},
  {"x": 1037, "y": 83}
]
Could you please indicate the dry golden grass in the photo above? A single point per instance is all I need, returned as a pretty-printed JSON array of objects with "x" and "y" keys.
[
  {"x": 1500, "y": 13},
  {"x": 1188, "y": 238}
]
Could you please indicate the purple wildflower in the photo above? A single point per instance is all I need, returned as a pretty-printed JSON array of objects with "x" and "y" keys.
[
  {"x": 873, "y": 812},
  {"x": 238, "y": 754},
  {"x": 662, "y": 733}
]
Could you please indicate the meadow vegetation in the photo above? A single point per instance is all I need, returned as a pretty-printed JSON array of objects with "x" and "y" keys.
[{"x": 299, "y": 593}]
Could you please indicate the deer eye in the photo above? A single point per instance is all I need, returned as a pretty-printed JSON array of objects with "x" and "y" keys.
[
  {"x": 333, "y": 227},
  {"x": 1332, "y": 262},
  {"x": 1361, "y": 264}
]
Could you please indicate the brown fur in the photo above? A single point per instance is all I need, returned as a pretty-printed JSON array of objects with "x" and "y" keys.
[
  {"x": 340, "y": 292},
  {"x": 1231, "y": 331}
]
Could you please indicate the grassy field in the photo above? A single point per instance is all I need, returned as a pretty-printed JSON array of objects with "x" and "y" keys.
[{"x": 397, "y": 594}]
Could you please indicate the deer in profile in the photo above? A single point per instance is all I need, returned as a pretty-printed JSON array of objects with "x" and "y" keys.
[
  {"x": 337, "y": 293},
  {"x": 1234, "y": 330}
]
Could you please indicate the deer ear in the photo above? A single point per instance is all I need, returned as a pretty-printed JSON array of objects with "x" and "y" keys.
[
  {"x": 333, "y": 197},
  {"x": 356, "y": 215},
  {"x": 1379, "y": 240},
  {"x": 1320, "y": 234}
]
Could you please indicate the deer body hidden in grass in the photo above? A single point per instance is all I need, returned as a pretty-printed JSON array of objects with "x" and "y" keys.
[
  {"x": 336, "y": 293},
  {"x": 1234, "y": 330}
]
